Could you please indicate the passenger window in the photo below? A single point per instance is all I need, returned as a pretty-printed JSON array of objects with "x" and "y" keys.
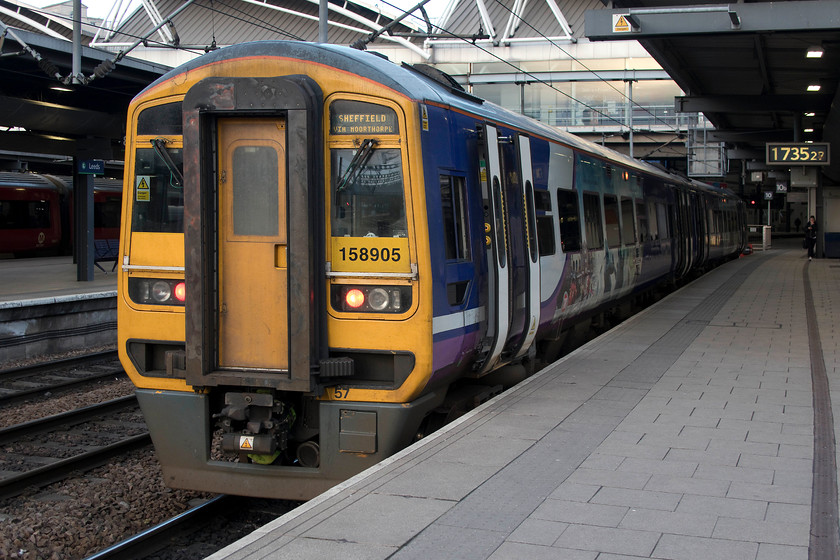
[
  {"x": 611, "y": 218},
  {"x": 662, "y": 218},
  {"x": 628, "y": 224},
  {"x": 568, "y": 215},
  {"x": 653, "y": 226},
  {"x": 641, "y": 215},
  {"x": 545, "y": 223},
  {"x": 23, "y": 214},
  {"x": 592, "y": 221},
  {"x": 454, "y": 202}
]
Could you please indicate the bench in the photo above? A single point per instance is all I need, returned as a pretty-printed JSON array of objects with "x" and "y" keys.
[{"x": 105, "y": 250}]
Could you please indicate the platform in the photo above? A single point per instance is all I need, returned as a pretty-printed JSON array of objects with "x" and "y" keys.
[
  {"x": 45, "y": 311},
  {"x": 50, "y": 277},
  {"x": 688, "y": 432}
]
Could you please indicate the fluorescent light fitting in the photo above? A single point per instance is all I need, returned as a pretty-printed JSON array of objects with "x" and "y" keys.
[
  {"x": 60, "y": 88},
  {"x": 808, "y": 130},
  {"x": 810, "y": 114},
  {"x": 814, "y": 52},
  {"x": 814, "y": 87}
]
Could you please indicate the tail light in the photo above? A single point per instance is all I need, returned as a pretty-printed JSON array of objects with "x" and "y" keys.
[
  {"x": 155, "y": 291},
  {"x": 371, "y": 299}
]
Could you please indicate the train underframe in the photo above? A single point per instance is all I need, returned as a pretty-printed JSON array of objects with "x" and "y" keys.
[{"x": 341, "y": 439}]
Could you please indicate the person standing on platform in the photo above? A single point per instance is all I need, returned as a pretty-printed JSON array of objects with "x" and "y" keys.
[{"x": 811, "y": 236}]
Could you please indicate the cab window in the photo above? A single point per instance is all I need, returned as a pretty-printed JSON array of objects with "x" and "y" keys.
[
  {"x": 158, "y": 192},
  {"x": 368, "y": 199}
]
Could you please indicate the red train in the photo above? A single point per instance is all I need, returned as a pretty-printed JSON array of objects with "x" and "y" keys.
[{"x": 36, "y": 217}]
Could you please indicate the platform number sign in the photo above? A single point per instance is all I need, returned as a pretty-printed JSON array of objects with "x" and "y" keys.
[{"x": 91, "y": 167}]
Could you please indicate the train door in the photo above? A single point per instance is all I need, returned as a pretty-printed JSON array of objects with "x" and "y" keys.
[
  {"x": 512, "y": 254},
  {"x": 253, "y": 273},
  {"x": 495, "y": 226},
  {"x": 531, "y": 253},
  {"x": 683, "y": 234}
]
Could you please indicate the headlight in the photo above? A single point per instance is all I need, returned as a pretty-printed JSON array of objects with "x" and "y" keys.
[
  {"x": 371, "y": 299},
  {"x": 154, "y": 291},
  {"x": 378, "y": 299},
  {"x": 161, "y": 291}
]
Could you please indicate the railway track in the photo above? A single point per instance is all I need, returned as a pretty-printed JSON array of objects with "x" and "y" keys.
[
  {"x": 17, "y": 384},
  {"x": 199, "y": 531},
  {"x": 53, "y": 448}
]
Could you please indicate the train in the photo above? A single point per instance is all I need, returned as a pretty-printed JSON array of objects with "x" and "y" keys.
[
  {"x": 36, "y": 217},
  {"x": 325, "y": 253}
]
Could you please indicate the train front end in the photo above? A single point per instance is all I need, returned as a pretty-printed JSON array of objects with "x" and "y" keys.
[{"x": 273, "y": 223}]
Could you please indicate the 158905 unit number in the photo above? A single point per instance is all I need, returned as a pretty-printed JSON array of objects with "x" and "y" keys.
[{"x": 372, "y": 254}]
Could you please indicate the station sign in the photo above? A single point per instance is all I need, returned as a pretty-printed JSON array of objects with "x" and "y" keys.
[
  {"x": 91, "y": 167},
  {"x": 798, "y": 153}
]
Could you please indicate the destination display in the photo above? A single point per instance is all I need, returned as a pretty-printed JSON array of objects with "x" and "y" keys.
[
  {"x": 357, "y": 117},
  {"x": 798, "y": 153}
]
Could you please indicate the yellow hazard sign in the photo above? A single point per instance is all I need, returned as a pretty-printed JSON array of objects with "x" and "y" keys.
[
  {"x": 621, "y": 23},
  {"x": 141, "y": 188},
  {"x": 246, "y": 443}
]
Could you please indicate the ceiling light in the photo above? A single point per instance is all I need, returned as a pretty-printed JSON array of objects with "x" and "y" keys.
[
  {"x": 814, "y": 52},
  {"x": 810, "y": 114},
  {"x": 814, "y": 87},
  {"x": 60, "y": 88},
  {"x": 808, "y": 130}
]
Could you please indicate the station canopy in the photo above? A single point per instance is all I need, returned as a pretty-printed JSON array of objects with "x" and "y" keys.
[{"x": 760, "y": 71}]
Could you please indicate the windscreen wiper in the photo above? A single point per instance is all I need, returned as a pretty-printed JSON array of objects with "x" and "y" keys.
[
  {"x": 159, "y": 145},
  {"x": 356, "y": 164}
]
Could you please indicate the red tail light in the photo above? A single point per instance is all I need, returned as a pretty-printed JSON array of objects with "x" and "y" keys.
[
  {"x": 181, "y": 291},
  {"x": 355, "y": 298}
]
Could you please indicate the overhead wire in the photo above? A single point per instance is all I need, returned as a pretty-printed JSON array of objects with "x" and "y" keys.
[
  {"x": 539, "y": 80},
  {"x": 108, "y": 65},
  {"x": 593, "y": 72}
]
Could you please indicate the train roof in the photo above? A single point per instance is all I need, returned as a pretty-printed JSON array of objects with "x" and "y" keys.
[
  {"x": 421, "y": 85},
  {"x": 10, "y": 179}
]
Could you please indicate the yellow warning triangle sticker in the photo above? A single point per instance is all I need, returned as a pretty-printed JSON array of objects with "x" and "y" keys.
[
  {"x": 621, "y": 25},
  {"x": 143, "y": 184},
  {"x": 246, "y": 442}
]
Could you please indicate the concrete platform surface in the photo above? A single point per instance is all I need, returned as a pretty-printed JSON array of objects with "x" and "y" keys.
[{"x": 686, "y": 433}]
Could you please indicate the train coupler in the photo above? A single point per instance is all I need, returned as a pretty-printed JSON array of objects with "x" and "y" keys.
[{"x": 255, "y": 424}]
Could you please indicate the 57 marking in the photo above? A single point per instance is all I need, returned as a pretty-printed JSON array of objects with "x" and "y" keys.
[{"x": 341, "y": 393}]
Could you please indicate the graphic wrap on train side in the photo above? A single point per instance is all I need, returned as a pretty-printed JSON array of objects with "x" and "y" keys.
[{"x": 325, "y": 254}]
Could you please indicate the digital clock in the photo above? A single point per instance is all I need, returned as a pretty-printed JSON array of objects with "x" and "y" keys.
[{"x": 790, "y": 153}]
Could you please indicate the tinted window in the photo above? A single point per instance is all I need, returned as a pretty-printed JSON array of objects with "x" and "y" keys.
[
  {"x": 641, "y": 214},
  {"x": 592, "y": 221},
  {"x": 24, "y": 214},
  {"x": 569, "y": 217},
  {"x": 106, "y": 214},
  {"x": 628, "y": 224},
  {"x": 545, "y": 223},
  {"x": 161, "y": 120},
  {"x": 611, "y": 218},
  {"x": 454, "y": 203}
]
